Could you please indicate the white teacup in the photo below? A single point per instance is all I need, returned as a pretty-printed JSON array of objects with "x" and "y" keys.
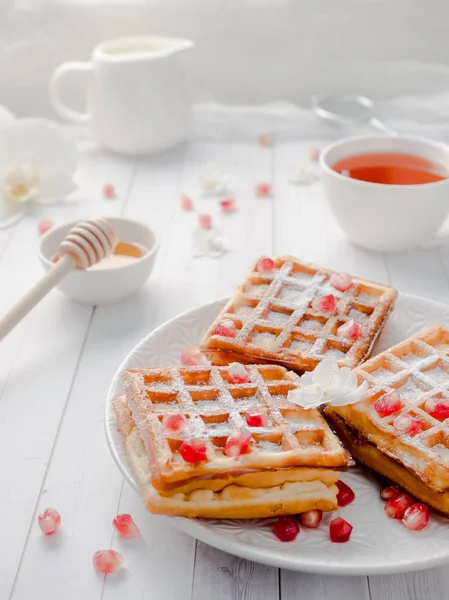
[
  {"x": 380, "y": 216},
  {"x": 138, "y": 99}
]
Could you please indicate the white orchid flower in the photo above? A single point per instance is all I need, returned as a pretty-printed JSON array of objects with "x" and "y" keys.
[
  {"x": 37, "y": 162},
  {"x": 212, "y": 181},
  {"x": 328, "y": 384}
]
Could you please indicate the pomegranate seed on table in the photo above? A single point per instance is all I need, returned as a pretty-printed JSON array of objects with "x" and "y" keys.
[
  {"x": 186, "y": 202},
  {"x": 341, "y": 281},
  {"x": 387, "y": 493},
  {"x": 314, "y": 154},
  {"x": 237, "y": 443},
  {"x": 286, "y": 529},
  {"x": 388, "y": 404},
  {"x": 49, "y": 521},
  {"x": 44, "y": 226},
  {"x": 326, "y": 303},
  {"x": 226, "y": 327},
  {"x": 438, "y": 408},
  {"x": 193, "y": 356},
  {"x": 109, "y": 191},
  {"x": 265, "y": 140},
  {"x": 263, "y": 190},
  {"x": 229, "y": 205},
  {"x": 238, "y": 373},
  {"x": 193, "y": 451},
  {"x": 340, "y": 530},
  {"x": 311, "y": 519},
  {"x": 345, "y": 494},
  {"x": 205, "y": 221},
  {"x": 107, "y": 561},
  {"x": 416, "y": 517},
  {"x": 256, "y": 416},
  {"x": 174, "y": 422},
  {"x": 125, "y": 526},
  {"x": 265, "y": 265},
  {"x": 350, "y": 330},
  {"x": 397, "y": 505},
  {"x": 407, "y": 424}
]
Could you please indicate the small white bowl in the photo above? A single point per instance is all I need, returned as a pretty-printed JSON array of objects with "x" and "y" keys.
[
  {"x": 380, "y": 216},
  {"x": 104, "y": 286}
]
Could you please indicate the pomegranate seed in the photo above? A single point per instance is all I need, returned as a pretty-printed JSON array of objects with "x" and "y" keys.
[
  {"x": 107, "y": 561},
  {"x": 326, "y": 303},
  {"x": 125, "y": 526},
  {"x": 438, "y": 408},
  {"x": 186, "y": 202},
  {"x": 205, "y": 221},
  {"x": 311, "y": 518},
  {"x": 345, "y": 494},
  {"x": 174, "y": 422},
  {"x": 109, "y": 191},
  {"x": 286, "y": 529},
  {"x": 388, "y": 404},
  {"x": 237, "y": 443},
  {"x": 341, "y": 281},
  {"x": 350, "y": 330},
  {"x": 263, "y": 190},
  {"x": 238, "y": 373},
  {"x": 265, "y": 265},
  {"x": 265, "y": 140},
  {"x": 407, "y": 424},
  {"x": 44, "y": 226},
  {"x": 416, "y": 517},
  {"x": 193, "y": 356},
  {"x": 256, "y": 416},
  {"x": 397, "y": 505},
  {"x": 226, "y": 327},
  {"x": 228, "y": 205},
  {"x": 388, "y": 493},
  {"x": 193, "y": 451},
  {"x": 49, "y": 521},
  {"x": 339, "y": 531},
  {"x": 314, "y": 154}
]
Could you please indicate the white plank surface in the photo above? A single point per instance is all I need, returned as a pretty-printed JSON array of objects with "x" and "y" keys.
[{"x": 55, "y": 369}]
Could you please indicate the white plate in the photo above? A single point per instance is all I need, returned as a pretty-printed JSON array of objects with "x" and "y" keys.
[{"x": 377, "y": 545}]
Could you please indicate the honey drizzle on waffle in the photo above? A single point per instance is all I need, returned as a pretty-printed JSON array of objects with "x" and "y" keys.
[{"x": 292, "y": 436}]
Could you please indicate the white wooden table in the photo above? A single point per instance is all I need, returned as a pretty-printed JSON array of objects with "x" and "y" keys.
[{"x": 55, "y": 369}]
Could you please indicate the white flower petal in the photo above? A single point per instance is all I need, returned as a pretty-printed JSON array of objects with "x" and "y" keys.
[
  {"x": 10, "y": 212},
  {"x": 350, "y": 397},
  {"x": 325, "y": 371},
  {"x": 6, "y": 117},
  {"x": 309, "y": 396}
]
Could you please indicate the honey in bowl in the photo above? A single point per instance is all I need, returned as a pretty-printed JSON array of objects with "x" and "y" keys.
[
  {"x": 390, "y": 168},
  {"x": 123, "y": 254}
]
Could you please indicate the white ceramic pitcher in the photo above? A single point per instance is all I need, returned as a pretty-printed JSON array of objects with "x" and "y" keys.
[{"x": 138, "y": 98}]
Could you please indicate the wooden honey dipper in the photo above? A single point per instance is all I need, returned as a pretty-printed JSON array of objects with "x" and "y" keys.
[{"x": 85, "y": 245}]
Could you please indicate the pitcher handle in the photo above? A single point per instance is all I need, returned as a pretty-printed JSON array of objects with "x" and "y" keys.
[{"x": 57, "y": 80}]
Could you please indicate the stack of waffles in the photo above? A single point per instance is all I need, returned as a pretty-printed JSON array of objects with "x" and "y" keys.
[
  {"x": 291, "y": 314},
  {"x": 400, "y": 428},
  {"x": 195, "y": 452}
]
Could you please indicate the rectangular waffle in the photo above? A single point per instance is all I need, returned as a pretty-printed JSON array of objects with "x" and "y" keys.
[
  {"x": 276, "y": 323},
  {"x": 418, "y": 369}
]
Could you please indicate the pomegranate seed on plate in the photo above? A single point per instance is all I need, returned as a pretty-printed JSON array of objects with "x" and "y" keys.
[
  {"x": 44, "y": 226},
  {"x": 125, "y": 526},
  {"x": 388, "y": 404},
  {"x": 228, "y": 205},
  {"x": 256, "y": 416},
  {"x": 286, "y": 529},
  {"x": 205, "y": 221},
  {"x": 416, "y": 517},
  {"x": 311, "y": 519},
  {"x": 407, "y": 424},
  {"x": 265, "y": 265},
  {"x": 350, "y": 330},
  {"x": 225, "y": 327},
  {"x": 193, "y": 356},
  {"x": 238, "y": 373},
  {"x": 339, "y": 530},
  {"x": 387, "y": 493},
  {"x": 326, "y": 303},
  {"x": 438, "y": 408},
  {"x": 263, "y": 190},
  {"x": 193, "y": 451},
  {"x": 265, "y": 140},
  {"x": 109, "y": 191},
  {"x": 186, "y": 202},
  {"x": 341, "y": 281},
  {"x": 49, "y": 521},
  {"x": 397, "y": 505},
  {"x": 107, "y": 561},
  {"x": 174, "y": 422},
  {"x": 237, "y": 443},
  {"x": 345, "y": 494},
  {"x": 314, "y": 154}
]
